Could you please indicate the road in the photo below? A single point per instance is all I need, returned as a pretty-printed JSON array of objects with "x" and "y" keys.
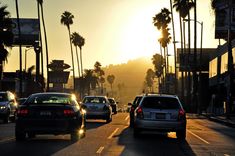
[{"x": 204, "y": 138}]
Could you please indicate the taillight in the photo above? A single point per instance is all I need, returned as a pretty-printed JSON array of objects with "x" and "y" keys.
[
  {"x": 132, "y": 109},
  {"x": 22, "y": 112},
  {"x": 181, "y": 114},
  {"x": 139, "y": 112},
  {"x": 68, "y": 112}
]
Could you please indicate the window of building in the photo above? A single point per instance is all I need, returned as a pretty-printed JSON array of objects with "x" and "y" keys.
[
  {"x": 224, "y": 63},
  {"x": 213, "y": 68}
]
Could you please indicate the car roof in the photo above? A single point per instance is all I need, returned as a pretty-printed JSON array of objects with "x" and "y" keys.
[
  {"x": 96, "y": 96},
  {"x": 51, "y": 93},
  {"x": 161, "y": 95}
]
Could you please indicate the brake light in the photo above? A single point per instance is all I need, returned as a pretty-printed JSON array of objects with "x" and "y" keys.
[
  {"x": 139, "y": 112},
  {"x": 22, "y": 112},
  {"x": 68, "y": 112},
  {"x": 181, "y": 114}
]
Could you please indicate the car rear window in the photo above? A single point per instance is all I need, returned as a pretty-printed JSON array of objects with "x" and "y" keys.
[
  {"x": 137, "y": 100},
  {"x": 50, "y": 99},
  {"x": 161, "y": 103},
  {"x": 94, "y": 100}
]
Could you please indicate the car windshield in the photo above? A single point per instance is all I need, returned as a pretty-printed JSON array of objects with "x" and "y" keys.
[
  {"x": 94, "y": 100},
  {"x": 3, "y": 97},
  {"x": 161, "y": 103},
  {"x": 50, "y": 99}
]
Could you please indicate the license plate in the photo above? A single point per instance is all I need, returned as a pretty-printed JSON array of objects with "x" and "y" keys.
[
  {"x": 45, "y": 113},
  {"x": 160, "y": 116}
]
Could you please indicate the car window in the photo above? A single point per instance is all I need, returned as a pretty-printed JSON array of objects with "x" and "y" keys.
[
  {"x": 94, "y": 100},
  {"x": 161, "y": 103},
  {"x": 50, "y": 99},
  {"x": 111, "y": 101},
  {"x": 137, "y": 100},
  {"x": 3, "y": 97}
]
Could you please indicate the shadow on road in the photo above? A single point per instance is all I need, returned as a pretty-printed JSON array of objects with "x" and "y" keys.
[
  {"x": 153, "y": 144},
  {"x": 93, "y": 124}
]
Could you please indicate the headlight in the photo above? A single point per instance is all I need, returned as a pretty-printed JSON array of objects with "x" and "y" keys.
[{"x": 3, "y": 107}]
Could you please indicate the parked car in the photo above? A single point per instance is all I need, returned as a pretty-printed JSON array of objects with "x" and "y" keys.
[
  {"x": 160, "y": 113},
  {"x": 113, "y": 104},
  {"x": 50, "y": 113},
  {"x": 8, "y": 106},
  {"x": 97, "y": 107},
  {"x": 133, "y": 106}
]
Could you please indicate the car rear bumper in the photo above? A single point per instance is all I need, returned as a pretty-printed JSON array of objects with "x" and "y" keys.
[
  {"x": 58, "y": 126},
  {"x": 167, "y": 126},
  {"x": 97, "y": 115}
]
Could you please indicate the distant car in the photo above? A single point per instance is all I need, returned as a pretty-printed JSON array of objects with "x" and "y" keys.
[
  {"x": 133, "y": 106},
  {"x": 113, "y": 104},
  {"x": 160, "y": 113},
  {"x": 8, "y": 106},
  {"x": 50, "y": 113},
  {"x": 97, "y": 107}
]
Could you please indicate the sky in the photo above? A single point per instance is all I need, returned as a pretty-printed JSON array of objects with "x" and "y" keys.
[{"x": 115, "y": 31}]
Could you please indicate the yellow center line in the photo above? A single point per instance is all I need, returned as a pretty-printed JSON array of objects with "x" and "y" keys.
[
  {"x": 203, "y": 140},
  {"x": 111, "y": 135}
]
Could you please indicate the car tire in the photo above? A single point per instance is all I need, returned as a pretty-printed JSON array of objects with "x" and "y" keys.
[
  {"x": 6, "y": 118},
  {"x": 181, "y": 134},
  {"x": 109, "y": 120},
  {"x": 131, "y": 124},
  {"x": 20, "y": 135},
  {"x": 136, "y": 132},
  {"x": 74, "y": 136}
]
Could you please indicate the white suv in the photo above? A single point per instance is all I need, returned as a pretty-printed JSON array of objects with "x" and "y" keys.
[{"x": 160, "y": 112}]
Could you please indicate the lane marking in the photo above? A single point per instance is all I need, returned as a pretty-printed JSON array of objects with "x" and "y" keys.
[
  {"x": 7, "y": 139},
  {"x": 198, "y": 137},
  {"x": 112, "y": 134},
  {"x": 127, "y": 118},
  {"x": 100, "y": 150}
]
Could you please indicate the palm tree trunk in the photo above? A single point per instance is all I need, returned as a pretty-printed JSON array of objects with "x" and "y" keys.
[
  {"x": 81, "y": 60},
  {"x": 46, "y": 45},
  {"x": 74, "y": 88},
  {"x": 173, "y": 29},
  {"x": 20, "y": 49},
  {"x": 78, "y": 61},
  {"x": 181, "y": 52},
  {"x": 190, "y": 63}
]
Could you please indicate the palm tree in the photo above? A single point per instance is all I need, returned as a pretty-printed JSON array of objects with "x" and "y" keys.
[
  {"x": 99, "y": 73},
  {"x": 6, "y": 36},
  {"x": 81, "y": 43},
  {"x": 67, "y": 20},
  {"x": 110, "y": 79},
  {"x": 75, "y": 40},
  {"x": 40, "y": 2}
]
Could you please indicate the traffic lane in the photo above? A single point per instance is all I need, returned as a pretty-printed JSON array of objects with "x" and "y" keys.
[
  {"x": 215, "y": 139},
  {"x": 7, "y": 131},
  {"x": 98, "y": 136},
  {"x": 148, "y": 143}
]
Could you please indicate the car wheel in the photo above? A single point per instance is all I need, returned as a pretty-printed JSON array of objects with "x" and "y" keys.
[
  {"x": 6, "y": 118},
  {"x": 74, "y": 136},
  {"x": 131, "y": 123},
  {"x": 181, "y": 134},
  {"x": 136, "y": 132},
  {"x": 109, "y": 120},
  {"x": 20, "y": 135}
]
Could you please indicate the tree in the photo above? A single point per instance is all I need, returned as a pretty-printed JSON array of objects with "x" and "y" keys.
[
  {"x": 149, "y": 79},
  {"x": 90, "y": 80},
  {"x": 75, "y": 40},
  {"x": 67, "y": 20},
  {"x": 40, "y": 2},
  {"x": 158, "y": 64},
  {"x": 110, "y": 79},
  {"x": 100, "y": 75},
  {"x": 81, "y": 43},
  {"x": 6, "y": 36}
]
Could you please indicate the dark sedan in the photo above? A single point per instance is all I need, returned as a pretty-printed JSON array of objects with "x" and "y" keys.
[
  {"x": 113, "y": 104},
  {"x": 50, "y": 113},
  {"x": 134, "y": 105}
]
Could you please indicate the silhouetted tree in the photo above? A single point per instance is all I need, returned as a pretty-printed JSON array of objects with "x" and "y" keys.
[
  {"x": 110, "y": 79},
  {"x": 75, "y": 40},
  {"x": 100, "y": 74},
  {"x": 67, "y": 20},
  {"x": 90, "y": 80},
  {"x": 81, "y": 43},
  {"x": 149, "y": 79}
]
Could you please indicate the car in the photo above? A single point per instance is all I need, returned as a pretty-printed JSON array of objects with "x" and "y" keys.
[
  {"x": 8, "y": 106},
  {"x": 113, "y": 104},
  {"x": 133, "y": 106},
  {"x": 20, "y": 101},
  {"x": 50, "y": 113},
  {"x": 97, "y": 107},
  {"x": 160, "y": 112}
]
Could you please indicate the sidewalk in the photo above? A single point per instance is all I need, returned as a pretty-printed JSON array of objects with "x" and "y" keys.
[{"x": 221, "y": 119}]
